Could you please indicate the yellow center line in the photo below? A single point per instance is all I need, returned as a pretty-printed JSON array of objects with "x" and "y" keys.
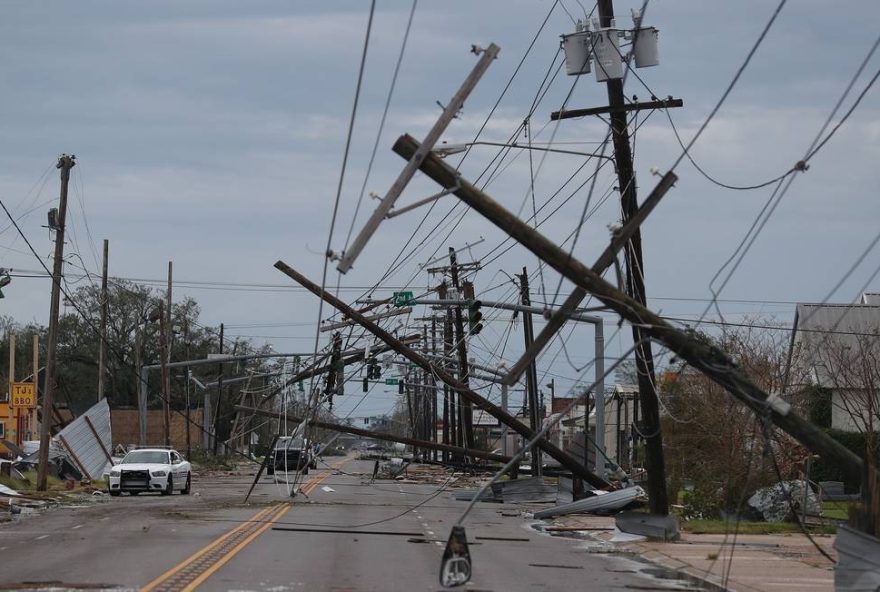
[
  {"x": 234, "y": 551},
  {"x": 195, "y": 556},
  {"x": 267, "y": 516}
]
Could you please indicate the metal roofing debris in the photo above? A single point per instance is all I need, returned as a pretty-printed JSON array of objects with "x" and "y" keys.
[
  {"x": 466, "y": 495},
  {"x": 649, "y": 525},
  {"x": 7, "y": 491},
  {"x": 607, "y": 502},
  {"x": 88, "y": 439},
  {"x": 517, "y": 491}
]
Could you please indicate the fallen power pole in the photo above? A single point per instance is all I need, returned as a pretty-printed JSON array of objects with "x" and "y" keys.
[
  {"x": 565, "y": 459},
  {"x": 700, "y": 354},
  {"x": 381, "y": 435}
]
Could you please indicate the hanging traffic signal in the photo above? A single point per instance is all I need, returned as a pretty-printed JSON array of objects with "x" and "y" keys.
[
  {"x": 4, "y": 280},
  {"x": 475, "y": 316},
  {"x": 374, "y": 370},
  {"x": 400, "y": 387},
  {"x": 366, "y": 384}
]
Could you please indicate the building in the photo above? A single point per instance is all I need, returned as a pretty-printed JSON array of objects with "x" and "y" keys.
[{"x": 834, "y": 354}]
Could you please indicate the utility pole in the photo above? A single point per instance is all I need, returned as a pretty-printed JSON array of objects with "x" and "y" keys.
[
  {"x": 65, "y": 163},
  {"x": 163, "y": 361},
  {"x": 434, "y": 392},
  {"x": 635, "y": 287},
  {"x": 531, "y": 374},
  {"x": 36, "y": 362},
  {"x": 219, "y": 396},
  {"x": 465, "y": 408},
  {"x": 186, "y": 389},
  {"x": 102, "y": 345},
  {"x": 166, "y": 378},
  {"x": 16, "y": 413},
  {"x": 449, "y": 424}
]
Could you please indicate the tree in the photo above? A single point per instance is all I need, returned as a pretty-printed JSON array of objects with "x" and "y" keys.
[{"x": 712, "y": 442}]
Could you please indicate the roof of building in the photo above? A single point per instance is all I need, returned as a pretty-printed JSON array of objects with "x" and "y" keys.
[{"x": 826, "y": 336}]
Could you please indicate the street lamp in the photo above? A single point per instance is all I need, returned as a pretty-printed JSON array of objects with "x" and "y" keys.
[{"x": 450, "y": 149}]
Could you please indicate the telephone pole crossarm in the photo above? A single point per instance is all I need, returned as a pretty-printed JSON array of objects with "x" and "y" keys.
[
  {"x": 661, "y": 104},
  {"x": 702, "y": 356},
  {"x": 565, "y": 459}
]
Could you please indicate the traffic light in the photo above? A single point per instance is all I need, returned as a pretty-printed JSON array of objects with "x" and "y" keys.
[
  {"x": 366, "y": 384},
  {"x": 374, "y": 370},
  {"x": 4, "y": 280},
  {"x": 475, "y": 316},
  {"x": 400, "y": 387}
]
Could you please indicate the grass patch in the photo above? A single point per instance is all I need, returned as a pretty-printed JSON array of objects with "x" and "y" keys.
[
  {"x": 724, "y": 527},
  {"x": 836, "y": 510},
  {"x": 29, "y": 484}
]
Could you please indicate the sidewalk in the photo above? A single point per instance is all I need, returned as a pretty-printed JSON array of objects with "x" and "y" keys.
[{"x": 774, "y": 562}]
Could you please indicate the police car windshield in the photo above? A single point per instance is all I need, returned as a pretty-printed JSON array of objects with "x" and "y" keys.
[{"x": 146, "y": 456}]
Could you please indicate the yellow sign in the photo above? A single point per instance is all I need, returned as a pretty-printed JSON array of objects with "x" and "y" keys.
[{"x": 23, "y": 396}]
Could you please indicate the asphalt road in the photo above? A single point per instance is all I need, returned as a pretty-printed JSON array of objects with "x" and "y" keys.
[{"x": 211, "y": 541}]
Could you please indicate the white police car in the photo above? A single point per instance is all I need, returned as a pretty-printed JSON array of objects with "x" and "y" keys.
[{"x": 151, "y": 469}]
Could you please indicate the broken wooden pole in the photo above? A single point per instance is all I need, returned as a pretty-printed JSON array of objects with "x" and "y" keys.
[
  {"x": 337, "y": 427},
  {"x": 565, "y": 459},
  {"x": 700, "y": 354}
]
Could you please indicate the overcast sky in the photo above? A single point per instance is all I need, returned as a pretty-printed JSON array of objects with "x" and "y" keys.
[{"x": 212, "y": 134}]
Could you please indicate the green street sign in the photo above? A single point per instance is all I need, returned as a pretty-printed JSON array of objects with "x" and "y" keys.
[
  {"x": 402, "y": 298},
  {"x": 390, "y": 381}
]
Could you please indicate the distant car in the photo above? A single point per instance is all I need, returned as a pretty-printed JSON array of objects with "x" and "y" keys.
[
  {"x": 291, "y": 453},
  {"x": 151, "y": 469}
]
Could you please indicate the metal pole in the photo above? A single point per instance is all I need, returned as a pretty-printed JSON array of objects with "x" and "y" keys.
[
  {"x": 141, "y": 388},
  {"x": 65, "y": 163},
  {"x": 449, "y": 112},
  {"x": 599, "y": 467},
  {"x": 504, "y": 429},
  {"x": 102, "y": 344}
]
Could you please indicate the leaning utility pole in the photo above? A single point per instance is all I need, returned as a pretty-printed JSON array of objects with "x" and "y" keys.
[
  {"x": 531, "y": 373},
  {"x": 102, "y": 345},
  {"x": 441, "y": 373},
  {"x": 65, "y": 163},
  {"x": 702, "y": 355}
]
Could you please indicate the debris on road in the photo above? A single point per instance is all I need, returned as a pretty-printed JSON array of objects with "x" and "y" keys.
[{"x": 603, "y": 503}]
